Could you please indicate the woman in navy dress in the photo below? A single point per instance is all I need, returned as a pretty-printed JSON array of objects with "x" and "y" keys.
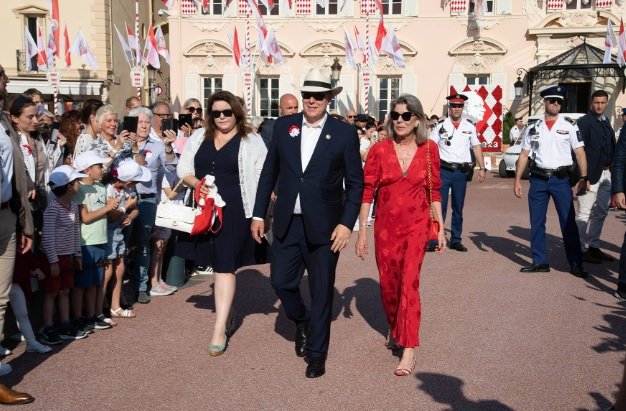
[{"x": 232, "y": 154}]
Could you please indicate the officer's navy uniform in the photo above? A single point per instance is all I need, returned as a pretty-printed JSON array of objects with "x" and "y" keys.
[
  {"x": 454, "y": 150},
  {"x": 551, "y": 158}
]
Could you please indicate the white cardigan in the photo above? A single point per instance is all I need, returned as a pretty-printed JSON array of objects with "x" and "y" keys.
[{"x": 252, "y": 152}]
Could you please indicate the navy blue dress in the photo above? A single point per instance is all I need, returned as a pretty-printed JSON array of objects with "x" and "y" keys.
[{"x": 232, "y": 247}]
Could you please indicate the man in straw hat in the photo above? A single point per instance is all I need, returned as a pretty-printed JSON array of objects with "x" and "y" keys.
[{"x": 311, "y": 156}]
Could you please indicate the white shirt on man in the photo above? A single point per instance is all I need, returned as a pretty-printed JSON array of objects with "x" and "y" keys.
[
  {"x": 309, "y": 135},
  {"x": 6, "y": 165},
  {"x": 461, "y": 139}
]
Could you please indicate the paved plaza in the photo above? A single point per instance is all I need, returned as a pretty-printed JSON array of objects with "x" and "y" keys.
[{"x": 491, "y": 338}]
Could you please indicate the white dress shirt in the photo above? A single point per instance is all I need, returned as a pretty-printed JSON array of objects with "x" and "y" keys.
[{"x": 310, "y": 135}]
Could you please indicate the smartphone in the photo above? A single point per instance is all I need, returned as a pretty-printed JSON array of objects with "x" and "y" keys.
[
  {"x": 169, "y": 124},
  {"x": 184, "y": 119},
  {"x": 54, "y": 131},
  {"x": 130, "y": 124}
]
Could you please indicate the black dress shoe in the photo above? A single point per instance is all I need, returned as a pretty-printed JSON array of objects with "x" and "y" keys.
[
  {"x": 458, "y": 247},
  {"x": 535, "y": 268},
  {"x": 578, "y": 271},
  {"x": 302, "y": 336},
  {"x": 316, "y": 367}
]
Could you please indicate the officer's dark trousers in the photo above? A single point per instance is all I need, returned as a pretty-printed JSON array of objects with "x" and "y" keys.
[
  {"x": 538, "y": 197},
  {"x": 621, "y": 278},
  {"x": 457, "y": 181}
]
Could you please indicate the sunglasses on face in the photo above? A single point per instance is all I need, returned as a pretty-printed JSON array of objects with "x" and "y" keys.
[
  {"x": 192, "y": 110},
  {"x": 218, "y": 113},
  {"x": 554, "y": 100},
  {"x": 456, "y": 105},
  {"x": 316, "y": 96},
  {"x": 352, "y": 116},
  {"x": 163, "y": 115},
  {"x": 406, "y": 116}
]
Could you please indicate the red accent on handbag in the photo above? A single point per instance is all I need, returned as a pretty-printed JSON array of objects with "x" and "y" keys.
[{"x": 210, "y": 217}]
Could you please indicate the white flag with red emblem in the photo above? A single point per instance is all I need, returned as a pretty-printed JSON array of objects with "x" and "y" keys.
[
  {"x": 162, "y": 45},
  {"x": 42, "y": 59},
  {"x": 51, "y": 47},
  {"x": 234, "y": 44},
  {"x": 391, "y": 47},
  {"x": 609, "y": 43},
  {"x": 30, "y": 49},
  {"x": 349, "y": 48},
  {"x": 127, "y": 53},
  {"x": 258, "y": 18},
  {"x": 286, "y": 5},
  {"x": 271, "y": 49},
  {"x": 81, "y": 48},
  {"x": 381, "y": 33},
  {"x": 134, "y": 45},
  {"x": 152, "y": 54},
  {"x": 621, "y": 44},
  {"x": 66, "y": 47},
  {"x": 359, "y": 42},
  {"x": 168, "y": 4},
  {"x": 55, "y": 24}
]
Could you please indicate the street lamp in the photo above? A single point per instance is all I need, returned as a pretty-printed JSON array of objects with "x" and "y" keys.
[
  {"x": 519, "y": 84},
  {"x": 335, "y": 73}
]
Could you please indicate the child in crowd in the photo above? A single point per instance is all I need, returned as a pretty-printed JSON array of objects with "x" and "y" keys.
[
  {"x": 94, "y": 206},
  {"x": 168, "y": 194},
  {"x": 61, "y": 244},
  {"x": 29, "y": 267},
  {"x": 121, "y": 187}
]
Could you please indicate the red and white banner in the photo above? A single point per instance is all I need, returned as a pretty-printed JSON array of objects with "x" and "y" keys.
[
  {"x": 303, "y": 7},
  {"x": 136, "y": 77},
  {"x": 161, "y": 45},
  {"x": 271, "y": 50},
  {"x": 391, "y": 47},
  {"x": 55, "y": 23},
  {"x": 555, "y": 5},
  {"x": 66, "y": 48},
  {"x": 458, "y": 6},
  {"x": 349, "y": 49},
  {"x": 368, "y": 7},
  {"x": 133, "y": 43},
  {"x": 30, "y": 49},
  {"x": 621, "y": 44},
  {"x": 152, "y": 54},
  {"x": 489, "y": 129},
  {"x": 54, "y": 77},
  {"x": 42, "y": 59},
  {"x": 604, "y": 4},
  {"x": 188, "y": 7},
  {"x": 234, "y": 44}
]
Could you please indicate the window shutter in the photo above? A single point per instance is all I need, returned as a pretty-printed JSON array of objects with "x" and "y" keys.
[
  {"x": 504, "y": 6},
  {"x": 192, "y": 85},
  {"x": 410, "y": 7}
]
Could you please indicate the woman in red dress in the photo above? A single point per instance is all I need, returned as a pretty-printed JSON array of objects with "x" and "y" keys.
[{"x": 398, "y": 167}]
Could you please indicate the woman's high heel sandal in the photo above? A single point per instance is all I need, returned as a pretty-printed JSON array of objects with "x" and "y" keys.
[
  {"x": 405, "y": 372},
  {"x": 216, "y": 350}
]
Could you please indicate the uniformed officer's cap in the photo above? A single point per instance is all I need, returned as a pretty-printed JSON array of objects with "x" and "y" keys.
[
  {"x": 624, "y": 112},
  {"x": 457, "y": 98},
  {"x": 553, "y": 92}
]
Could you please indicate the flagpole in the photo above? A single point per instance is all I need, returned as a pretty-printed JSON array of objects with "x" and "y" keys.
[
  {"x": 137, "y": 40},
  {"x": 249, "y": 68},
  {"x": 366, "y": 72}
]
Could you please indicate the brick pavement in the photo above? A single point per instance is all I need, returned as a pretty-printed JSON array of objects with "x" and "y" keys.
[{"x": 492, "y": 338}]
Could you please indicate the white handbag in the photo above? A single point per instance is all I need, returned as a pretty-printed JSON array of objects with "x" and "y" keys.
[{"x": 174, "y": 216}]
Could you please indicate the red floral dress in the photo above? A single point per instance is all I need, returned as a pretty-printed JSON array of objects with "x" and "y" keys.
[{"x": 400, "y": 231}]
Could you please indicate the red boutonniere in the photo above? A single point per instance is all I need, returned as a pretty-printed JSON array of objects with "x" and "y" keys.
[
  {"x": 28, "y": 149},
  {"x": 294, "y": 131},
  {"x": 148, "y": 153}
]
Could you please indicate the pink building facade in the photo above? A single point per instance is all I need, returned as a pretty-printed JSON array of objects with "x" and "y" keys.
[{"x": 445, "y": 48}]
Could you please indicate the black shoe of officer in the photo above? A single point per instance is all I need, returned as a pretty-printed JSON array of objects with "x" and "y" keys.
[
  {"x": 535, "y": 268},
  {"x": 578, "y": 271},
  {"x": 458, "y": 247}
]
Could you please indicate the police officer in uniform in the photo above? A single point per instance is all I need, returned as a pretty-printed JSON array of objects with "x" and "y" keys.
[
  {"x": 455, "y": 136},
  {"x": 551, "y": 141},
  {"x": 516, "y": 130}
]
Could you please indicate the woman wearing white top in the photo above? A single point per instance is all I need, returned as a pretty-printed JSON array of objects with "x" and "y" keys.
[
  {"x": 91, "y": 128},
  {"x": 107, "y": 143}
]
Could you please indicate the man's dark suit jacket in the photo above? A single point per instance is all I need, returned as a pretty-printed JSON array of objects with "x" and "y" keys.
[
  {"x": 321, "y": 186},
  {"x": 19, "y": 200},
  {"x": 618, "y": 179},
  {"x": 599, "y": 139}
]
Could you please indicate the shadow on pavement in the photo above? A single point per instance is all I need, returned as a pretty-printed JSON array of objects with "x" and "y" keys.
[
  {"x": 366, "y": 296},
  {"x": 446, "y": 389},
  {"x": 615, "y": 324}
]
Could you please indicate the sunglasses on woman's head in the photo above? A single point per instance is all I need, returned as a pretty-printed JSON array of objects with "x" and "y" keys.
[
  {"x": 218, "y": 113},
  {"x": 406, "y": 116},
  {"x": 192, "y": 110}
]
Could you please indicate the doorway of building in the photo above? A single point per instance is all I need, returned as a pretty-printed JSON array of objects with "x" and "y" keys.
[{"x": 577, "y": 100}]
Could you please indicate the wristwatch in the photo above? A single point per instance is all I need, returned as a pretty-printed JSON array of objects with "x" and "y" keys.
[{"x": 584, "y": 178}]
